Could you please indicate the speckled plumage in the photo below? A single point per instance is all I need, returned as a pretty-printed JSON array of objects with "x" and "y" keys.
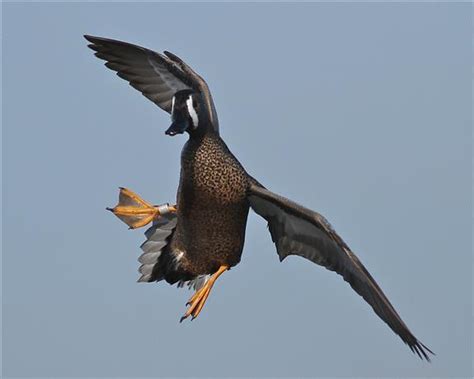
[{"x": 212, "y": 208}]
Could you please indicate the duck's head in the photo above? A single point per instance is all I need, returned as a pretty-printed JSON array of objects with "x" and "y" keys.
[{"x": 187, "y": 113}]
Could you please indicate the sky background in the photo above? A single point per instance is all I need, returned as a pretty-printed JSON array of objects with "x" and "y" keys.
[{"x": 359, "y": 111}]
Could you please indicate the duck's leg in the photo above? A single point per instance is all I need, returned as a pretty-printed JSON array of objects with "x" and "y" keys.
[
  {"x": 136, "y": 212},
  {"x": 197, "y": 301}
]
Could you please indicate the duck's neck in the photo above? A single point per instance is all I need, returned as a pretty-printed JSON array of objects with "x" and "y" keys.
[{"x": 201, "y": 132}]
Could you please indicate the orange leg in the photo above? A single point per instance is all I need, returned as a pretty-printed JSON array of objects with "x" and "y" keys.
[
  {"x": 136, "y": 212},
  {"x": 197, "y": 301}
]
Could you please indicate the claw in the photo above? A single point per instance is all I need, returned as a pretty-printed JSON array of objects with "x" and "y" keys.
[{"x": 197, "y": 301}]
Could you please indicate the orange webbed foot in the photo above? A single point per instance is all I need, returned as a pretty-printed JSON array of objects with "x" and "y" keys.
[
  {"x": 136, "y": 212},
  {"x": 197, "y": 301}
]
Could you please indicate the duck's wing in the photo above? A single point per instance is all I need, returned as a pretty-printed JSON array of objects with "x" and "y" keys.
[
  {"x": 296, "y": 230},
  {"x": 157, "y": 76}
]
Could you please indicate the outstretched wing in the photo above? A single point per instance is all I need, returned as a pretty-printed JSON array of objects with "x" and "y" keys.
[
  {"x": 296, "y": 230},
  {"x": 157, "y": 76}
]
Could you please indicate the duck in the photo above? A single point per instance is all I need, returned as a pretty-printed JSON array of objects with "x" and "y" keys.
[{"x": 200, "y": 237}]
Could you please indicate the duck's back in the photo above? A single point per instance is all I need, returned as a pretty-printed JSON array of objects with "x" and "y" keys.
[{"x": 212, "y": 207}]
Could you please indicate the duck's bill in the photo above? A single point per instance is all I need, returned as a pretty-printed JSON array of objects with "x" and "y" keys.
[{"x": 177, "y": 127}]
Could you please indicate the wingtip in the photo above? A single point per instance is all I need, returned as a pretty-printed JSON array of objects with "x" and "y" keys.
[
  {"x": 89, "y": 38},
  {"x": 98, "y": 40},
  {"x": 422, "y": 351}
]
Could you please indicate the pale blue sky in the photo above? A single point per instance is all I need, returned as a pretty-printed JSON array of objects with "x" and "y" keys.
[{"x": 359, "y": 111}]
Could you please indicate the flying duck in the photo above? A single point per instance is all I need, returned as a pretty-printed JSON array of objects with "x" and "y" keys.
[{"x": 200, "y": 237}]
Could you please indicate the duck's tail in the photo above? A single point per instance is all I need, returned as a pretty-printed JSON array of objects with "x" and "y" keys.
[
  {"x": 158, "y": 263},
  {"x": 153, "y": 266}
]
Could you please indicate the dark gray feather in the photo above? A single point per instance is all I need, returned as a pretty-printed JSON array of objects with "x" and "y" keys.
[
  {"x": 157, "y": 76},
  {"x": 296, "y": 230}
]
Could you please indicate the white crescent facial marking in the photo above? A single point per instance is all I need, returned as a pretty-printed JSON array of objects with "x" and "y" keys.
[{"x": 192, "y": 111}]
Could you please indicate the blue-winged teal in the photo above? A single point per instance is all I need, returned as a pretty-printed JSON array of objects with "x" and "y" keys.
[{"x": 202, "y": 236}]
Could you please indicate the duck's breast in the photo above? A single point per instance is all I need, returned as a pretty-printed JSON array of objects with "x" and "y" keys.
[{"x": 212, "y": 205}]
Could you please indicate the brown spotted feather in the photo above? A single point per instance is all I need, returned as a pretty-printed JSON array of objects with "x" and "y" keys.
[{"x": 212, "y": 207}]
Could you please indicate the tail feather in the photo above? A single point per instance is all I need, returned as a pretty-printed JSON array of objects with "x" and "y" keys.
[
  {"x": 158, "y": 263},
  {"x": 196, "y": 283},
  {"x": 158, "y": 236}
]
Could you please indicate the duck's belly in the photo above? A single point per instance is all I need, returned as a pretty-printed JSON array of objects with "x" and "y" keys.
[
  {"x": 212, "y": 211},
  {"x": 211, "y": 237}
]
